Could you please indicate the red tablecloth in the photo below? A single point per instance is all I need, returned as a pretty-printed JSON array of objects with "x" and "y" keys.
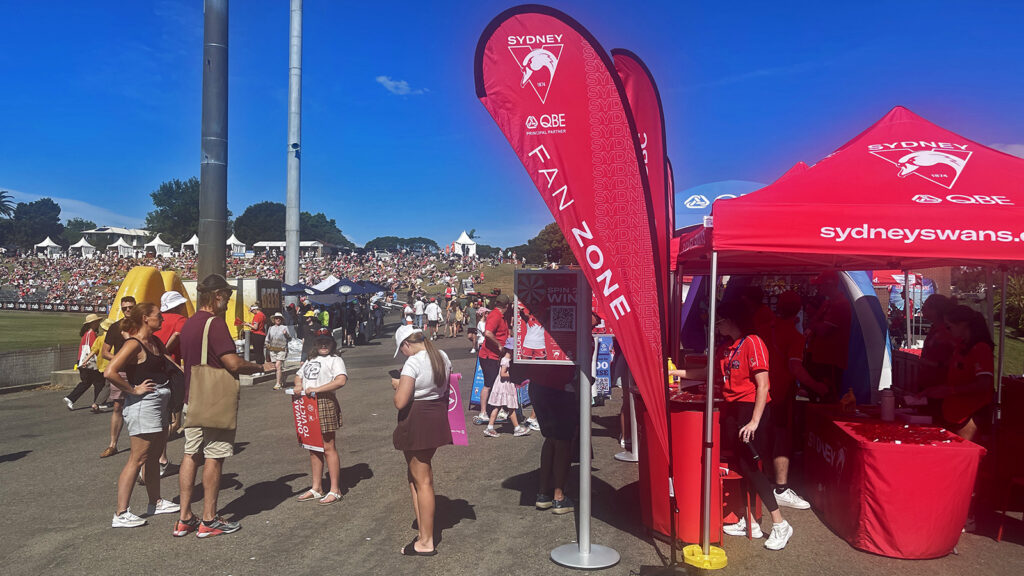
[
  {"x": 687, "y": 447},
  {"x": 903, "y": 500}
]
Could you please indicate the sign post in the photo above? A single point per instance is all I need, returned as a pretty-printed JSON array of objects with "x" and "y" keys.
[{"x": 583, "y": 554}]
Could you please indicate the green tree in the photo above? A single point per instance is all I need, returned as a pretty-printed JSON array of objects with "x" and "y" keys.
[
  {"x": 6, "y": 204},
  {"x": 550, "y": 244},
  {"x": 319, "y": 227},
  {"x": 394, "y": 243},
  {"x": 176, "y": 210},
  {"x": 261, "y": 221},
  {"x": 31, "y": 222},
  {"x": 74, "y": 227}
]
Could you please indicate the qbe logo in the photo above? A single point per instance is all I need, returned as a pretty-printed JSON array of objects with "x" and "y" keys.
[
  {"x": 546, "y": 121},
  {"x": 926, "y": 199}
]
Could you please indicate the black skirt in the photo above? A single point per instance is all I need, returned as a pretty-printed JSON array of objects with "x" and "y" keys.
[{"x": 422, "y": 425}]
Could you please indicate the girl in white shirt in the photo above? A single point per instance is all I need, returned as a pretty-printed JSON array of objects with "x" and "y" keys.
[{"x": 320, "y": 375}]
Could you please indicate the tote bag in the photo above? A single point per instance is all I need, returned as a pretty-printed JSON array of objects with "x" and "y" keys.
[{"x": 213, "y": 393}]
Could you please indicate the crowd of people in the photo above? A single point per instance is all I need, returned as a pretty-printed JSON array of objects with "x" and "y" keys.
[{"x": 95, "y": 280}]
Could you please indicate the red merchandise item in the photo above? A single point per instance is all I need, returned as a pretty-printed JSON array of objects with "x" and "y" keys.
[
  {"x": 963, "y": 369},
  {"x": 495, "y": 323},
  {"x": 738, "y": 365},
  {"x": 788, "y": 344}
]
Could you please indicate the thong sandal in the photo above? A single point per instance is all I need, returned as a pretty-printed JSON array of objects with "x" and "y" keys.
[
  {"x": 325, "y": 502},
  {"x": 310, "y": 495},
  {"x": 410, "y": 550}
]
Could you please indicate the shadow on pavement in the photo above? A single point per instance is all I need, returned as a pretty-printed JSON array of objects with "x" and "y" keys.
[
  {"x": 14, "y": 456},
  {"x": 261, "y": 496},
  {"x": 447, "y": 514},
  {"x": 228, "y": 481},
  {"x": 352, "y": 475},
  {"x": 526, "y": 483}
]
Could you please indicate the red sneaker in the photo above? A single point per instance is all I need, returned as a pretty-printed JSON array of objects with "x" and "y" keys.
[
  {"x": 183, "y": 528},
  {"x": 216, "y": 527}
]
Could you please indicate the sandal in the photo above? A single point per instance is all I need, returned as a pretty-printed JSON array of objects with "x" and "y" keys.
[
  {"x": 325, "y": 502},
  {"x": 410, "y": 550},
  {"x": 310, "y": 495}
]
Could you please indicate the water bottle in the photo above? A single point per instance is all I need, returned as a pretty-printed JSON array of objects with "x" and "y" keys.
[{"x": 888, "y": 405}]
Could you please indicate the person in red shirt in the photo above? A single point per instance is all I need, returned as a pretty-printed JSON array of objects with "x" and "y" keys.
[
  {"x": 258, "y": 326},
  {"x": 786, "y": 357},
  {"x": 967, "y": 393},
  {"x": 172, "y": 307},
  {"x": 495, "y": 334},
  {"x": 743, "y": 367}
]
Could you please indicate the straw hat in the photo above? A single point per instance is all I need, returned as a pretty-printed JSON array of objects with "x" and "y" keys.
[{"x": 92, "y": 318}]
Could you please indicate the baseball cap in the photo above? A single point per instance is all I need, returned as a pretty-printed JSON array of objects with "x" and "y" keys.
[
  {"x": 401, "y": 334},
  {"x": 213, "y": 283},
  {"x": 171, "y": 300},
  {"x": 501, "y": 300},
  {"x": 254, "y": 307}
]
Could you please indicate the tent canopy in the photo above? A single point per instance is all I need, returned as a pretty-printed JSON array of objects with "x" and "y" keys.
[
  {"x": 82, "y": 243},
  {"x": 464, "y": 239},
  {"x": 47, "y": 244},
  {"x": 120, "y": 243},
  {"x": 157, "y": 242},
  {"x": 903, "y": 194}
]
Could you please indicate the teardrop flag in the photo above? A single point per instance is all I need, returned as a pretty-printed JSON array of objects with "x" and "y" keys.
[{"x": 555, "y": 95}]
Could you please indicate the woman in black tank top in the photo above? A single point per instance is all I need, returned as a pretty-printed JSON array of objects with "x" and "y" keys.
[{"x": 144, "y": 360}]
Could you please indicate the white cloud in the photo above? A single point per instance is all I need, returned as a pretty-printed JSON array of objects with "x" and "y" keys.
[
  {"x": 71, "y": 208},
  {"x": 399, "y": 87},
  {"x": 1015, "y": 149}
]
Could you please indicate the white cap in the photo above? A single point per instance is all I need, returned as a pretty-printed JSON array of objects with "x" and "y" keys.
[
  {"x": 403, "y": 332},
  {"x": 171, "y": 300},
  {"x": 254, "y": 307}
]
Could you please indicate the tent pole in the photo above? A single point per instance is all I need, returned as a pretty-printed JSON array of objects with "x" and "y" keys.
[
  {"x": 709, "y": 406},
  {"x": 908, "y": 311},
  {"x": 1002, "y": 344}
]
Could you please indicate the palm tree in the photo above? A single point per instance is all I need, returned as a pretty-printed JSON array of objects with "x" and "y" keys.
[{"x": 6, "y": 204}]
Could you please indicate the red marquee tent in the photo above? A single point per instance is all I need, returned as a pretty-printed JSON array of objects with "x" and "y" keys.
[{"x": 903, "y": 194}]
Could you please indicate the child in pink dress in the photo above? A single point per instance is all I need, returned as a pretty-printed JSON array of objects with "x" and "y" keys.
[{"x": 503, "y": 394}]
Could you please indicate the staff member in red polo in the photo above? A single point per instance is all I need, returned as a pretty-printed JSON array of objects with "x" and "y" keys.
[
  {"x": 967, "y": 393},
  {"x": 743, "y": 370}
]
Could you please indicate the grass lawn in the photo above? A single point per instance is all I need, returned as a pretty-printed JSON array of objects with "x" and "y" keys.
[
  {"x": 1013, "y": 363},
  {"x": 26, "y": 330}
]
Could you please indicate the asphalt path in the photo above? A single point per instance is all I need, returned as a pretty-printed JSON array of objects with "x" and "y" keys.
[{"x": 57, "y": 498}]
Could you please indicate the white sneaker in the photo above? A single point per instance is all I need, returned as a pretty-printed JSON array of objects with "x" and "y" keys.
[
  {"x": 70, "y": 404},
  {"x": 533, "y": 424},
  {"x": 521, "y": 431},
  {"x": 162, "y": 507},
  {"x": 791, "y": 499},
  {"x": 472, "y": 350},
  {"x": 740, "y": 529},
  {"x": 781, "y": 533},
  {"x": 126, "y": 520}
]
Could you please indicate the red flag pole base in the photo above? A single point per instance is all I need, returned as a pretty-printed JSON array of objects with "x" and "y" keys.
[{"x": 715, "y": 559}]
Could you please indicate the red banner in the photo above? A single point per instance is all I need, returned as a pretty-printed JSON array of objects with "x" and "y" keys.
[
  {"x": 545, "y": 321},
  {"x": 645, "y": 103},
  {"x": 555, "y": 94}
]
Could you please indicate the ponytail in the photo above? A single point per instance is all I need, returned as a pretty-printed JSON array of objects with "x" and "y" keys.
[{"x": 437, "y": 366}]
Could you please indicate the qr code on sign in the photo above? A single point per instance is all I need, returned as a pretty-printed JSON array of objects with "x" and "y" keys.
[{"x": 563, "y": 319}]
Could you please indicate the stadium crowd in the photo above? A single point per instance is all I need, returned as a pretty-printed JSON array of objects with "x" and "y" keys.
[{"x": 95, "y": 280}]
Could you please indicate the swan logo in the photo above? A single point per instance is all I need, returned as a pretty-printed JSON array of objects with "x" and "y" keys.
[
  {"x": 537, "y": 64},
  {"x": 697, "y": 202},
  {"x": 938, "y": 162}
]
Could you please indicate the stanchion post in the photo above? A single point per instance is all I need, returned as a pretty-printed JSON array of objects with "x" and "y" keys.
[{"x": 633, "y": 454}]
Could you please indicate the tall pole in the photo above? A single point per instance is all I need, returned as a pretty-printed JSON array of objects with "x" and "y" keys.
[
  {"x": 908, "y": 309},
  {"x": 213, "y": 166},
  {"x": 291, "y": 220},
  {"x": 709, "y": 422}
]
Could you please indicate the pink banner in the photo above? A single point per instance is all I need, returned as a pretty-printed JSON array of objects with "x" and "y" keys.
[
  {"x": 307, "y": 422},
  {"x": 649, "y": 119},
  {"x": 456, "y": 419},
  {"x": 556, "y": 97}
]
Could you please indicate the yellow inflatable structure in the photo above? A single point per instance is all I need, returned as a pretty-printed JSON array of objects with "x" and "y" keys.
[{"x": 147, "y": 284}]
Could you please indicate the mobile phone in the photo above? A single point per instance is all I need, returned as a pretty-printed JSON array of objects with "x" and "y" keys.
[{"x": 396, "y": 374}]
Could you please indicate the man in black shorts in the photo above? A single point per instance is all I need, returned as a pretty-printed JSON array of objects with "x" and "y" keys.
[
  {"x": 553, "y": 392},
  {"x": 112, "y": 342}
]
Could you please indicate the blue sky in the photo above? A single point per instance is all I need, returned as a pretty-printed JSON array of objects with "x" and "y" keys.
[{"x": 101, "y": 100}]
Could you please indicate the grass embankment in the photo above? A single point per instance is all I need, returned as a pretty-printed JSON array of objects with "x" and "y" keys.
[
  {"x": 494, "y": 277},
  {"x": 29, "y": 330}
]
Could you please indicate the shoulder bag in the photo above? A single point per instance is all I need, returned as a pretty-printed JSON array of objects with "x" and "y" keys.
[{"x": 213, "y": 393}]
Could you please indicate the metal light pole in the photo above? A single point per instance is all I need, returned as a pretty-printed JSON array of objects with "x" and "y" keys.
[
  {"x": 213, "y": 166},
  {"x": 291, "y": 221}
]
